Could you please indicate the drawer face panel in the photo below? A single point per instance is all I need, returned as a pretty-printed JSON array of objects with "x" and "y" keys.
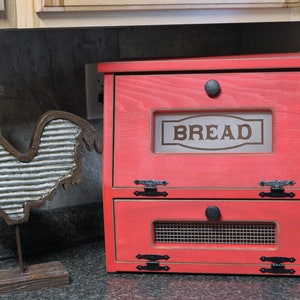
[
  {"x": 246, "y": 231},
  {"x": 167, "y": 127}
]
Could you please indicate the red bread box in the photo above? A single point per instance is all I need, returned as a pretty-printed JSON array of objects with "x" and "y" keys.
[{"x": 201, "y": 165}]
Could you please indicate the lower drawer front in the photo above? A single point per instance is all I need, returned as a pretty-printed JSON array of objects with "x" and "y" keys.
[{"x": 243, "y": 237}]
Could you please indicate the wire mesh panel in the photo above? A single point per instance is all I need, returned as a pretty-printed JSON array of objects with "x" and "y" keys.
[{"x": 241, "y": 233}]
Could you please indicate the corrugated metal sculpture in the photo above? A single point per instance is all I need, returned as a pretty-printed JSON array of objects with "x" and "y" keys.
[
  {"x": 30, "y": 179},
  {"x": 53, "y": 160}
]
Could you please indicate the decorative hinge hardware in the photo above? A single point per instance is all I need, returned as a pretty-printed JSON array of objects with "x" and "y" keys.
[
  {"x": 150, "y": 187},
  {"x": 152, "y": 264},
  {"x": 277, "y": 267},
  {"x": 277, "y": 189}
]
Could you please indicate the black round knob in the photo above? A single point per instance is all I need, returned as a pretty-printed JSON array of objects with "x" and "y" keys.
[
  {"x": 213, "y": 213},
  {"x": 212, "y": 88}
]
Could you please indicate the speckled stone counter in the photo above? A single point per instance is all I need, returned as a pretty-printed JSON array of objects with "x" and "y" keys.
[{"x": 89, "y": 280}]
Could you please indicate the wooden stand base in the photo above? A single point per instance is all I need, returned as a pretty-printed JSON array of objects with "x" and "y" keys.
[{"x": 35, "y": 277}]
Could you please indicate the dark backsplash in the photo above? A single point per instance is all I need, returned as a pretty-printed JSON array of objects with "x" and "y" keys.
[{"x": 45, "y": 69}]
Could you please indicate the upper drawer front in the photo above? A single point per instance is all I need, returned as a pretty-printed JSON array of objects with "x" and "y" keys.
[{"x": 169, "y": 127}]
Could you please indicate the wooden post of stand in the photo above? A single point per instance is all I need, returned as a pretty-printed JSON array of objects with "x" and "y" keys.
[{"x": 19, "y": 248}]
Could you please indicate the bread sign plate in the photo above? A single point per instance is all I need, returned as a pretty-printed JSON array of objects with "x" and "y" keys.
[{"x": 213, "y": 132}]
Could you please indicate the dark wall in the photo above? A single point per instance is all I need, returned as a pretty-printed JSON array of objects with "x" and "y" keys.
[{"x": 45, "y": 69}]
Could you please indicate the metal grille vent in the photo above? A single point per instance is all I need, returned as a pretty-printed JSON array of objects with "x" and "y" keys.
[{"x": 241, "y": 233}]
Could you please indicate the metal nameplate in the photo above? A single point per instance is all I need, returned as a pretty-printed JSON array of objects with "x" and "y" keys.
[{"x": 213, "y": 132}]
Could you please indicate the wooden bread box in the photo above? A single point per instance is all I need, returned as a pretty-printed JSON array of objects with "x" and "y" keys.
[{"x": 201, "y": 165}]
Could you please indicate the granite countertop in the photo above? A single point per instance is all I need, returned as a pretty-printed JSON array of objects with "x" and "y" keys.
[{"x": 89, "y": 280}]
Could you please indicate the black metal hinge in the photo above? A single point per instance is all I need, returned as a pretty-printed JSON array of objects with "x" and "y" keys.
[
  {"x": 278, "y": 267},
  {"x": 152, "y": 264},
  {"x": 150, "y": 187},
  {"x": 277, "y": 189}
]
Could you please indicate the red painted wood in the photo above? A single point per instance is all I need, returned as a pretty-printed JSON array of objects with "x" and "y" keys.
[
  {"x": 138, "y": 97},
  {"x": 107, "y": 171},
  {"x": 249, "y": 62},
  {"x": 134, "y": 232},
  {"x": 134, "y": 91}
]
